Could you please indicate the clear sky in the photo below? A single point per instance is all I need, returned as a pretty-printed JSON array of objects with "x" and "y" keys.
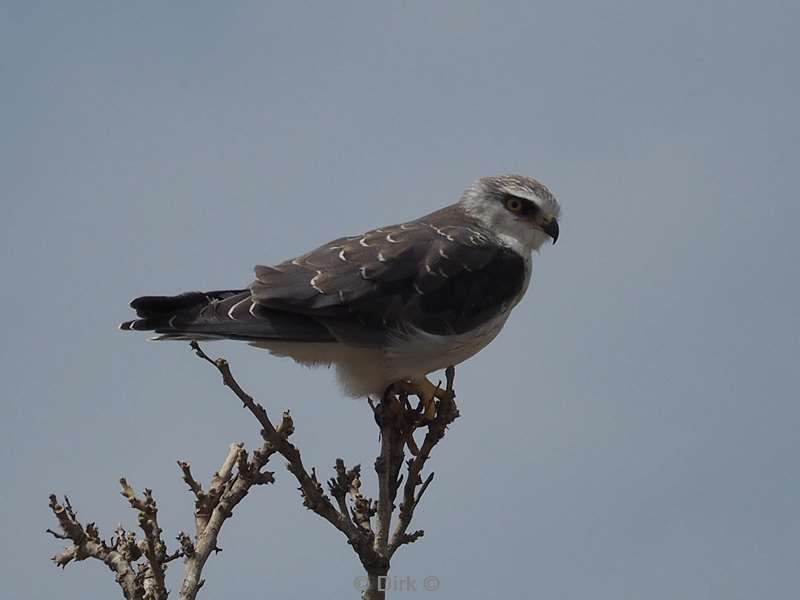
[{"x": 633, "y": 432}]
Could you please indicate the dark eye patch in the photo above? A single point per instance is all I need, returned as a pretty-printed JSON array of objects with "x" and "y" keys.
[{"x": 529, "y": 209}]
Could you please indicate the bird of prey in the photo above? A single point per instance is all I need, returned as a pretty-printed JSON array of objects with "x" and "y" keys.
[{"x": 386, "y": 307}]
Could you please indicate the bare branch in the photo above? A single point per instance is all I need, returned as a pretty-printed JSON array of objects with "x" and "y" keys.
[
  {"x": 314, "y": 497},
  {"x": 86, "y": 543},
  {"x": 146, "y": 580},
  {"x": 396, "y": 429},
  {"x": 340, "y": 487},
  {"x": 140, "y": 564},
  {"x": 154, "y": 548},
  {"x": 214, "y": 508},
  {"x": 446, "y": 413},
  {"x": 363, "y": 508},
  {"x": 397, "y": 422},
  {"x": 196, "y": 488}
]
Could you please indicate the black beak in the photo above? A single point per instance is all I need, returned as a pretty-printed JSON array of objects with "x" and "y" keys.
[{"x": 551, "y": 229}]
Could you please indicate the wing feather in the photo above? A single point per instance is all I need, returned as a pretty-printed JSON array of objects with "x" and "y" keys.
[{"x": 442, "y": 273}]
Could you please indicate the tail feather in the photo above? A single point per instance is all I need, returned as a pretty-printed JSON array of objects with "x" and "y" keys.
[
  {"x": 222, "y": 314},
  {"x": 148, "y": 306}
]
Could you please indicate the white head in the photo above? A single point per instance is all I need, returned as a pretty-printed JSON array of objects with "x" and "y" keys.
[{"x": 520, "y": 210}]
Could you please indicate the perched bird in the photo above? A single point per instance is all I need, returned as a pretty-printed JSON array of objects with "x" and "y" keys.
[{"x": 388, "y": 306}]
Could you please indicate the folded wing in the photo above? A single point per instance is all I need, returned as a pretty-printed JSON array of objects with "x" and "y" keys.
[{"x": 429, "y": 274}]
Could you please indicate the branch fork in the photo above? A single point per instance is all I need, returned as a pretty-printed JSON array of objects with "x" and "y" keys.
[{"x": 140, "y": 563}]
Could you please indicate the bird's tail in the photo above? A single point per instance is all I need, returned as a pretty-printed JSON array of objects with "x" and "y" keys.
[{"x": 222, "y": 314}]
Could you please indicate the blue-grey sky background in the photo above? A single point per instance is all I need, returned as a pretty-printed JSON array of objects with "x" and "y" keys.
[{"x": 633, "y": 433}]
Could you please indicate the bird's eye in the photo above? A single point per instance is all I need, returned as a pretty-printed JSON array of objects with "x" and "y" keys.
[{"x": 513, "y": 204}]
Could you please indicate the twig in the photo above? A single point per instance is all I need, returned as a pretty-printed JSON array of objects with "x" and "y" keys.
[
  {"x": 155, "y": 550},
  {"x": 145, "y": 579},
  {"x": 397, "y": 422},
  {"x": 446, "y": 413},
  {"x": 213, "y": 508},
  {"x": 314, "y": 497},
  {"x": 86, "y": 543},
  {"x": 140, "y": 564}
]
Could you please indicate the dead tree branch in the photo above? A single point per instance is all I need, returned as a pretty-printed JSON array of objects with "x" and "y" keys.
[
  {"x": 229, "y": 485},
  {"x": 119, "y": 554},
  {"x": 365, "y": 523},
  {"x": 140, "y": 564}
]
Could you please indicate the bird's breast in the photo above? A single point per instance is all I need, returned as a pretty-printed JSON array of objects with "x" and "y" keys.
[{"x": 415, "y": 353}]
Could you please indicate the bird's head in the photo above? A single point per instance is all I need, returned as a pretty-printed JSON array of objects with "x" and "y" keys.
[{"x": 518, "y": 209}]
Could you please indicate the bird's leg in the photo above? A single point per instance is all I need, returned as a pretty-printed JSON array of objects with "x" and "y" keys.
[
  {"x": 427, "y": 394},
  {"x": 427, "y": 399}
]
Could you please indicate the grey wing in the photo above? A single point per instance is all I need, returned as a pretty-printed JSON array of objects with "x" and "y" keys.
[{"x": 439, "y": 274}]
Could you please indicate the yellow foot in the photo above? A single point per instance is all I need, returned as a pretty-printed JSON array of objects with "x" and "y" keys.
[{"x": 427, "y": 394}]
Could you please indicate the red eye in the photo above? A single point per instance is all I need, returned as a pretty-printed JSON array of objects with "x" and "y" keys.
[{"x": 514, "y": 204}]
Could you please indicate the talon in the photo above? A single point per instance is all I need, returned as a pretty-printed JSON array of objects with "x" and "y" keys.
[
  {"x": 427, "y": 394},
  {"x": 429, "y": 412},
  {"x": 442, "y": 394}
]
